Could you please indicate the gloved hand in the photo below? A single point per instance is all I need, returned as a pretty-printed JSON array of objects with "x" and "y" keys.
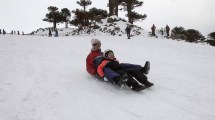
[
  {"x": 97, "y": 76},
  {"x": 105, "y": 79},
  {"x": 100, "y": 78}
]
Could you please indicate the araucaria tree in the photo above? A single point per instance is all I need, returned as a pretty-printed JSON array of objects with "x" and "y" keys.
[
  {"x": 78, "y": 18},
  {"x": 211, "y": 38},
  {"x": 136, "y": 16},
  {"x": 97, "y": 14},
  {"x": 84, "y": 4},
  {"x": 66, "y": 15},
  {"x": 129, "y": 6},
  {"x": 93, "y": 14},
  {"x": 53, "y": 16},
  {"x": 194, "y": 35}
]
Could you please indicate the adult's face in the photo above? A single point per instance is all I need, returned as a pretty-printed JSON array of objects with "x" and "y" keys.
[{"x": 96, "y": 46}]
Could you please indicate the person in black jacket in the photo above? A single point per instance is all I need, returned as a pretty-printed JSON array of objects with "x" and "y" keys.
[
  {"x": 167, "y": 30},
  {"x": 128, "y": 31},
  {"x": 4, "y": 32},
  {"x": 50, "y": 33},
  {"x": 153, "y": 30}
]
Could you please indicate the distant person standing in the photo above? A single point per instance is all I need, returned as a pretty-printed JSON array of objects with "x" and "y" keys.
[
  {"x": 56, "y": 32},
  {"x": 153, "y": 30},
  {"x": 162, "y": 31},
  {"x": 50, "y": 32},
  {"x": 128, "y": 31},
  {"x": 18, "y": 32},
  {"x": 0, "y": 31},
  {"x": 4, "y": 32},
  {"x": 79, "y": 28},
  {"x": 167, "y": 30}
]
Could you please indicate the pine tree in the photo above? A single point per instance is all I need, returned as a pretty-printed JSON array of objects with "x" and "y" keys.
[
  {"x": 78, "y": 18},
  {"x": 53, "y": 16},
  {"x": 130, "y": 5},
  {"x": 193, "y": 35},
  {"x": 178, "y": 33},
  {"x": 66, "y": 14},
  {"x": 178, "y": 30},
  {"x": 95, "y": 13},
  {"x": 211, "y": 38},
  {"x": 136, "y": 16},
  {"x": 84, "y": 4}
]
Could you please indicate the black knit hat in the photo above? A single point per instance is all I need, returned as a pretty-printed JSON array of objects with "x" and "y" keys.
[{"x": 106, "y": 53}]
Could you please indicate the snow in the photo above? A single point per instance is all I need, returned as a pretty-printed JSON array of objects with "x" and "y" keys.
[
  {"x": 105, "y": 28},
  {"x": 44, "y": 78}
]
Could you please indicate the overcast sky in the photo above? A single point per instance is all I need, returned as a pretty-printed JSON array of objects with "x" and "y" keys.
[{"x": 27, "y": 15}]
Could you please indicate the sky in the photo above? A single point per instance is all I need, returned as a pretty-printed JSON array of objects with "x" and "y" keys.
[{"x": 27, "y": 15}]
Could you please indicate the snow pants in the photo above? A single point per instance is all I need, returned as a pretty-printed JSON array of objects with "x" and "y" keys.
[{"x": 111, "y": 74}]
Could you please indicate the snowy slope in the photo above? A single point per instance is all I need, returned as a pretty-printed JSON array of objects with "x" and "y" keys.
[
  {"x": 44, "y": 78},
  {"x": 105, "y": 27}
]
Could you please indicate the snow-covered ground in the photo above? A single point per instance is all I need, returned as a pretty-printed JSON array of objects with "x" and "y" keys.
[
  {"x": 43, "y": 78},
  {"x": 116, "y": 28}
]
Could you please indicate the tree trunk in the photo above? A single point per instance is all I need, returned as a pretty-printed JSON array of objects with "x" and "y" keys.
[
  {"x": 85, "y": 17},
  {"x": 129, "y": 10},
  {"x": 66, "y": 24},
  {"x": 116, "y": 7},
  {"x": 111, "y": 7},
  {"x": 55, "y": 24}
]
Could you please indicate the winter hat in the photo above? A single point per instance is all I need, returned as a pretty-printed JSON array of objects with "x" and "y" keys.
[
  {"x": 106, "y": 52},
  {"x": 95, "y": 41}
]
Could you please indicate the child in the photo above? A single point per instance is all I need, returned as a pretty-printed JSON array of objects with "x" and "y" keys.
[{"x": 127, "y": 72}]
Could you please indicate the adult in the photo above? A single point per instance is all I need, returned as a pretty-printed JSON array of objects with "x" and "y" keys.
[
  {"x": 167, "y": 30},
  {"x": 50, "y": 32},
  {"x": 94, "y": 59},
  {"x": 153, "y": 30},
  {"x": 4, "y": 32},
  {"x": 56, "y": 32},
  {"x": 162, "y": 31},
  {"x": 128, "y": 31}
]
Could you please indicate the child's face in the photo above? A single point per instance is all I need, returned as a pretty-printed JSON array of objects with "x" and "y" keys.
[{"x": 111, "y": 55}]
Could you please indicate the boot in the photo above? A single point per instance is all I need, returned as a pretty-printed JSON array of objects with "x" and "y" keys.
[
  {"x": 138, "y": 88},
  {"x": 149, "y": 84},
  {"x": 122, "y": 80},
  {"x": 146, "y": 67}
]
